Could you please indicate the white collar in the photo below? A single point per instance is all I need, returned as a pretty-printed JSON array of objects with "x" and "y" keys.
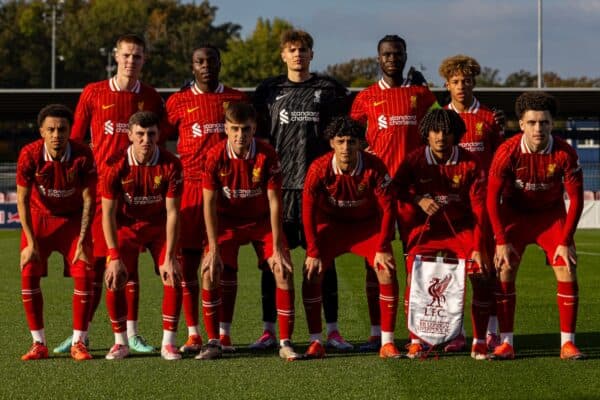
[
  {"x": 196, "y": 90},
  {"x": 356, "y": 171},
  {"x": 452, "y": 160},
  {"x": 249, "y": 155},
  {"x": 65, "y": 157},
  {"x": 472, "y": 109},
  {"x": 383, "y": 85},
  {"x": 114, "y": 86},
  {"x": 527, "y": 150},
  {"x": 132, "y": 160}
]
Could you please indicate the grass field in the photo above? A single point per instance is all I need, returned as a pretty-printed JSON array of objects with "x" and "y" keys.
[{"x": 537, "y": 373}]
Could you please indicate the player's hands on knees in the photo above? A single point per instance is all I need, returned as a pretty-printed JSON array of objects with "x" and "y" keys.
[
  {"x": 115, "y": 276},
  {"x": 170, "y": 272},
  {"x": 479, "y": 267},
  {"x": 502, "y": 258},
  {"x": 82, "y": 252},
  {"x": 313, "y": 267},
  {"x": 281, "y": 259},
  {"x": 385, "y": 261},
  {"x": 429, "y": 206},
  {"x": 212, "y": 264},
  {"x": 569, "y": 256},
  {"x": 29, "y": 254}
]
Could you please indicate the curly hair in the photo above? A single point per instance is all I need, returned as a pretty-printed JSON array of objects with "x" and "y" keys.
[
  {"x": 56, "y": 111},
  {"x": 536, "y": 101},
  {"x": 295, "y": 36},
  {"x": 459, "y": 64},
  {"x": 447, "y": 121},
  {"x": 344, "y": 126}
]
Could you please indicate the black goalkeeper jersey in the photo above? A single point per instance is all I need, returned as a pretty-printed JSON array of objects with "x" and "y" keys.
[{"x": 292, "y": 116}]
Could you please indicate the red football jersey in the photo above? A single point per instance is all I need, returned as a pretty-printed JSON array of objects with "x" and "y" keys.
[
  {"x": 535, "y": 182},
  {"x": 364, "y": 194},
  {"x": 104, "y": 109},
  {"x": 242, "y": 183},
  {"x": 483, "y": 135},
  {"x": 142, "y": 189},
  {"x": 199, "y": 118},
  {"x": 458, "y": 186},
  {"x": 392, "y": 116},
  {"x": 56, "y": 184}
]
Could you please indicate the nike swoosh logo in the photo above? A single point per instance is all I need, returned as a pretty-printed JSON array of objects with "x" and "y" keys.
[
  {"x": 569, "y": 304},
  {"x": 281, "y": 96},
  {"x": 191, "y": 110},
  {"x": 106, "y": 107},
  {"x": 378, "y": 103},
  {"x": 208, "y": 314},
  {"x": 38, "y": 174},
  {"x": 125, "y": 182}
]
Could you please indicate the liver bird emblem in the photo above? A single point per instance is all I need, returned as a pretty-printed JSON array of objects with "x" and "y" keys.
[{"x": 437, "y": 288}]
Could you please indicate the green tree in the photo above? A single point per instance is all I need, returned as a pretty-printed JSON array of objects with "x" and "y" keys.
[
  {"x": 489, "y": 77},
  {"x": 358, "y": 72},
  {"x": 249, "y": 61}
]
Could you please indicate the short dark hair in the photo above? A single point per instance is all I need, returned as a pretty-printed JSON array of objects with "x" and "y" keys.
[
  {"x": 145, "y": 119},
  {"x": 446, "y": 121},
  {"x": 239, "y": 112},
  {"x": 207, "y": 46},
  {"x": 536, "y": 101},
  {"x": 393, "y": 39},
  {"x": 56, "y": 111},
  {"x": 131, "y": 38},
  {"x": 344, "y": 126},
  {"x": 295, "y": 35}
]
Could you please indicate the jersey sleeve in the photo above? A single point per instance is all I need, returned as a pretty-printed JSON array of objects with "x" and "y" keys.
[
  {"x": 83, "y": 115},
  {"x": 477, "y": 198},
  {"x": 209, "y": 173},
  {"x": 25, "y": 168},
  {"x": 274, "y": 177},
  {"x": 497, "y": 175},
  {"x": 358, "y": 111},
  {"x": 110, "y": 183},
  {"x": 175, "y": 179},
  {"x": 573, "y": 181},
  {"x": 89, "y": 173},
  {"x": 310, "y": 196},
  {"x": 383, "y": 192}
]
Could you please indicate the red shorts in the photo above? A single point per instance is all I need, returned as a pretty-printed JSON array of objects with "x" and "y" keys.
[
  {"x": 192, "y": 232},
  {"x": 56, "y": 234},
  {"x": 233, "y": 235},
  {"x": 133, "y": 239},
  {"x": 459, "y": 246},
  {"x": 100, "y": 248},
  {"x": 335, "y": 238},
  {"x": 543, "y": 228}
]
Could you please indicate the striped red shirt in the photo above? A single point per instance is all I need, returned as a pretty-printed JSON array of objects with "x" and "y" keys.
[
  {"x": 104, "y": 109},
  {"x": 535, "y": 182},
  {"x": 242, "y": 183},
  {"x": 483, "y": 135},
  {"x": 199, "y": 118},
  {"x": 392, "y": 116},
  {"x": 56, "y": 184},
  {"x": 142, "y": 189},
  {"x": 364, "y": 194}
]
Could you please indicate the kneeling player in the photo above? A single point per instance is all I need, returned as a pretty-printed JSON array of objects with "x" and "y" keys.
[
  {"x": 242, "y": 204},
  {"x": 443, "y": 178},
  {"x": 527, "y": 179},
  {"x": 347, "y": 207},
  {"x": 142, "y": 191},
  {"x": 56, "y": 181}
]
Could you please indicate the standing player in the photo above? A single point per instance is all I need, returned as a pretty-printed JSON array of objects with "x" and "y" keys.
[
  {"x": 196, "y": 112},
  {"x": 447, "y": 183},
  {"x": 242, "y": 204},
  {"x": 347, "y": 207},
  {"x": 527, "y": 179},
  {"x": 56, "y": 180},
  {"x": 141, "y": 190},
  {"x": 295, "y": 108},
  {"x": 104, "y": 109},
  {"x": 482, "y": 137},
  {"x": 391, "y": 109}
]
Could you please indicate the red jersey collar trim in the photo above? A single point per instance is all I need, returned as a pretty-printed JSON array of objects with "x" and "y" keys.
[
  {"x": 196, "y": 90},
  {"x": 547, "y": 150},
  {"x": 114, "y": 86},
  {"x": 250, "y": 155},
  {"x": 132, "y": 160},
  {"x": 356, "y": 171},
  {"x": 65, "y": 157},
  {"x": 453, "y": 160},
  {"x": 473, "y": 108},
  {"x": 383, "y": 85}
]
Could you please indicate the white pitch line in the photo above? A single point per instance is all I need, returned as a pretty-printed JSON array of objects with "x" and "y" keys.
[{"x": 587, "y": 253}]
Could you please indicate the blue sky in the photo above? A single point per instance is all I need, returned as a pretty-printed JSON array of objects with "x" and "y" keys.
[{"x": 499, "y": 34}]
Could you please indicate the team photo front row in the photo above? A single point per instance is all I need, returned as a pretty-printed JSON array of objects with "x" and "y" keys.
[{"x": 457, "y": 217}]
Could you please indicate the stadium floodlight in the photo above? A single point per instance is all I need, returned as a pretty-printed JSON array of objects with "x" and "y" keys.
[{"x": 55, "y": 7}]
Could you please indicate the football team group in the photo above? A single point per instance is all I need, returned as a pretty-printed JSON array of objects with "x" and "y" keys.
[{"x": 298, "y": 164}]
